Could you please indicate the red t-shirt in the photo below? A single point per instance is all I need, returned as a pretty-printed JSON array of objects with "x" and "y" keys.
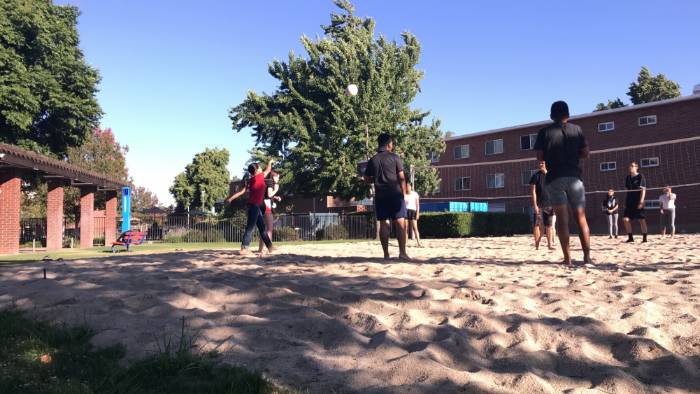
[{"x": 256, "y": 189}]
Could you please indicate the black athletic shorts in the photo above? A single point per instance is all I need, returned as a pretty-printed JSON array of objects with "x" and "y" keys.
[
  {"x": 390, "y": 206},
  {"x": 544, "y": 218},
  {"x": 632, "y": 212},
  {"x": 411, "y": 214}
]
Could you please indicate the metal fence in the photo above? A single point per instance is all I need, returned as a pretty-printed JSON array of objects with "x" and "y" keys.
[{"x": 195, "y": 228}]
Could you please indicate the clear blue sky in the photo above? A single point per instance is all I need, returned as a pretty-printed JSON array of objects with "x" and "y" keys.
[{"x": 172, "y": 69}]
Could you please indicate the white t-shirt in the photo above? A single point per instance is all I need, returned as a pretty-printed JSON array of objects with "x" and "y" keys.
[
  {"x": 666, "y": 202},
  {"x": 411, "y": 200}
]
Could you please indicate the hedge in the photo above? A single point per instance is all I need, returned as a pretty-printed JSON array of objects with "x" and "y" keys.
[
  {"x": 472, "y": 224},
  {"x": 333, "y": 232}
]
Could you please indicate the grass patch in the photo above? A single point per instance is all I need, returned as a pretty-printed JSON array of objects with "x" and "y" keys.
[
  {"x": 39, "y": 357},
  {"x": 160, "y": 247}
]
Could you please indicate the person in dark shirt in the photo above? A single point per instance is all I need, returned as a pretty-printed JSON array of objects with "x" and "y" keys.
[
  {"x": 255, "y": 186},
  {"x": 611, "y": 208},
  {"x": 542, "y": 209},
  {"x": 385, "y": 171},
  {"x": 561, "y": 145},
  {"x": 636, "y": 185}
]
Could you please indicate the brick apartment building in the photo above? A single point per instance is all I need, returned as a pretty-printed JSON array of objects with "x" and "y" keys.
[{"x": 664, "y": 137}]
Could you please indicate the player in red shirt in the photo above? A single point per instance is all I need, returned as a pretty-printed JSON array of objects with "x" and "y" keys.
[{"x": 255, "y": 186}]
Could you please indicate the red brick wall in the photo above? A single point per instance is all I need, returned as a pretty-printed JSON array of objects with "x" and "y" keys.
[
  {"x": 87, "y": 222},
  {"x": 110, "y": 217},
  {"x": 10, "y": 200},
  {"x": 679, "y": 163},
  {"x": 54, "y": 215}
]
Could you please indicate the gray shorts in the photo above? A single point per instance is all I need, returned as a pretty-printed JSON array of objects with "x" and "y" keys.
[{"x": 567, "y": 191}]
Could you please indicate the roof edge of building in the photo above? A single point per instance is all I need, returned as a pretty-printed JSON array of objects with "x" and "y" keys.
[{"x": 575, "y": 117}]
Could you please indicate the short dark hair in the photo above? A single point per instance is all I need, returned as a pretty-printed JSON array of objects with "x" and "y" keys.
[
  {"x": 634, "y": 163},
  {"x": 384, "y": 139},
  {"x": 252, "y": 168},
  {"x": 559, "y": 111}
]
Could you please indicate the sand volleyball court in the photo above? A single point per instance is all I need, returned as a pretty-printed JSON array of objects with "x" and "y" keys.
[{"x": 472, "y": 315}]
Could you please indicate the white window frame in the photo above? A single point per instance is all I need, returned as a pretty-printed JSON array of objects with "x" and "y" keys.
[
  {"x": 647, "y": 120},
  {"x": 434, "y": 157},
  {"x": 608, "y": 169},
  {"x": 461, "y": 149},
  {"x": 526, "y": 182},
  {"x": 486, "y": 147},
  {"x": 533, "y": 138},
  {"x": 606, "y": 127},
  {"x": 461, "y": 182},
  {"x": 650, "y": 162},
  {"x": 496, "y": 176},
  {"x": 652, "y": 204}
]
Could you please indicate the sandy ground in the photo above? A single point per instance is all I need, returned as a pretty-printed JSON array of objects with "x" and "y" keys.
[{"x": 472, "y": 315}]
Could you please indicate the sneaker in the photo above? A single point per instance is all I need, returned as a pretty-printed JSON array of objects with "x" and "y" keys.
[{"x": 610, "y": 237}]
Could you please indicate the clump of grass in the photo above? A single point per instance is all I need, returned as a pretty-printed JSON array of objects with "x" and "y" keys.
[{"x": 39, "y": 357}]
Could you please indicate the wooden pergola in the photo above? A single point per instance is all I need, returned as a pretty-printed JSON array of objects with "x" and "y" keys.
[{"x": 15, "y": 161}]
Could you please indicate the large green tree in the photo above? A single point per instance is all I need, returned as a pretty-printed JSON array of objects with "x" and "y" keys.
[
  {"x": 47, "y": 90},
  {"x": 204, "y": 181},
  {"x": 649, "y": 88},
  {"x": 320, "y": 133}
]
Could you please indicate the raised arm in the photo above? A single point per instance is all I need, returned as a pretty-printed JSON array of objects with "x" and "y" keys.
[
  {"x": 272, "y": 191},
  {"x": 238, "y": 194},
  {"x": 268, "y": 168}
]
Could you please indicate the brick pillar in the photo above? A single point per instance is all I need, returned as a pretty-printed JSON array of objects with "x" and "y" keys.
[
  {"x": 54, "y": 214},
  {"x": 10, "y": 200},
  {"x": 87, "y": 220},
  {"x": 110, "y": 217}
]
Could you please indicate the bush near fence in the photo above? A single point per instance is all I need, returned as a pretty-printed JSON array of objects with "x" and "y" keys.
[
  {"x": 333, "y": 232},
  {"x": 472, "y": 224}
]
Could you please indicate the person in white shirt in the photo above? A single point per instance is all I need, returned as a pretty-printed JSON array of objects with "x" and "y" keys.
[
  {"x": 668, "y": 211},
  {"x": 412, "y": 211}
]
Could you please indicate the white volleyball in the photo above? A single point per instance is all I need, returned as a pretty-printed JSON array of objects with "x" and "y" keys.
[{"x": 351, "y": 90}]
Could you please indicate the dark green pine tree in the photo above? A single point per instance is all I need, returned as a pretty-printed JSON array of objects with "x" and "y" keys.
[{"x": 320, "y": 133}]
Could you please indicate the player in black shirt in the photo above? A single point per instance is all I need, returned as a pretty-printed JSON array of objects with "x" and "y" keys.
[
  {"x": 561, "y": 145},
  {"x": 636, "y": 185},
  {"x": 542, "y": 209},
  {"x": 385, "y": 170}
]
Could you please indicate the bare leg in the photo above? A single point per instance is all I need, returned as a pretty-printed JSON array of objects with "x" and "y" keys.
[
  {"x": 663, "y": 225},
  {"x": 562, "y": 212},
  {"x": 584, "y": 234},
  {"x": 401, "y": 237},
  {"x": 416, "y": 234},
  {"x": 643, "y": 225},
  {"x": 550, "y": 237},
  {"x": 384, "y": 237},
  {"x": 536, "y": 232},
  {"x": 628, "y": 228}
]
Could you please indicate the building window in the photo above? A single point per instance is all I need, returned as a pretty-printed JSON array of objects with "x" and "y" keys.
[
  {"x": 434, "y": 157},
  {"x": 606, "y": 127},
  {"x": 494, "y": 147},
  {"x": 495, "y": 181},
  {"x": 652, "y": 204},
  {"x": 527, "y": 142},
  {"x": 527, "y": 175},
  {"x": 649, "y": 162},
  {"x": 463, "y": 183},
  {"x": 608, "y": 166},
  {"x": 461, "y": 152},
  {"x": 647, "y": 120}
]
